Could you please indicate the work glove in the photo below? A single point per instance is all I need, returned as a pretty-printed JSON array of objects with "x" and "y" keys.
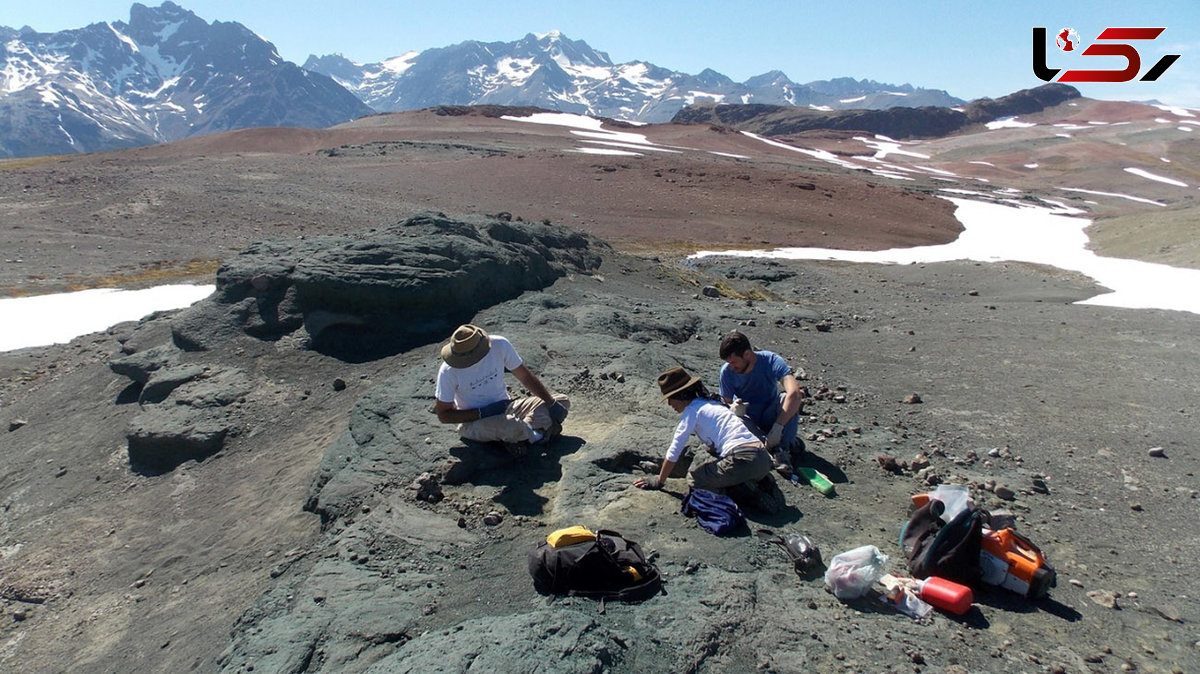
[
  {"x": 492, "y": 409},
  {"x": 652, "y": 482},
  {"x": 738, "y": 407},
  {"x": 775, "y": 436},
  {"x": 558, "y": 412}
]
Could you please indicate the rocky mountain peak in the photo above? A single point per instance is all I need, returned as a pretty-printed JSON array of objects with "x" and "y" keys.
[{"x": 152, "y": 25}]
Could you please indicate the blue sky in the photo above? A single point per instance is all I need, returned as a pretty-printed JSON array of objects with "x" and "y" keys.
[{"x": 970, "y": 49}]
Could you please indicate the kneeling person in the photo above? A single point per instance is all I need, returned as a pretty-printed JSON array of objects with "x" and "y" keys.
[
  {"x": 741, "y": 456},
  {"x": 754, "y": 378},
  {"x": 470, "y": 391}
]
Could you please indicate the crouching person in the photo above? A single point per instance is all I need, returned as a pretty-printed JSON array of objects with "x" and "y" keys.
[
  {"x": 741, "y": 456},
  {"x": 471, "y": 392}
]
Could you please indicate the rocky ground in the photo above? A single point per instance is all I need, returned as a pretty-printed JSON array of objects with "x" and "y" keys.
[{"x": 298, "y": 541}]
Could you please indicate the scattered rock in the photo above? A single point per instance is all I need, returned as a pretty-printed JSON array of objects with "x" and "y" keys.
[
  {"x": 889, "y": 463},
  {"x": 493, "y": 518},
  {"x": 912, "y": 399},
  {"x": 710, "y": 291},
  {"x": 1168, "y": 612},
  {"x": 1157, "y": 452},
  {"x": 1104, "y": 598},
  {"x": 428, "y": 488},
  {"x": 1039, "y": 485},
  {"x": 339, "y": 384},
  {"x": 1005, "y": 493},
  {"x": 16, "y": 423},
  {"x": 1003, "y": 519}
]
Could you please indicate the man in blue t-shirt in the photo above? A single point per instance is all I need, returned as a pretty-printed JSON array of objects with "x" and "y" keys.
[{"x": 750, "y": 383}]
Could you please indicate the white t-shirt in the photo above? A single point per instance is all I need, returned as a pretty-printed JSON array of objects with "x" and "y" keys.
[
  {"x": 483, "y": 383},
  {"x": 714, "y": 424}
]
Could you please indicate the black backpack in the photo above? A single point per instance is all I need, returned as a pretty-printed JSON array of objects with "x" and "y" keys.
[
  {"x": 947, "y": 550},
  {"x": 609, "y": 567}
]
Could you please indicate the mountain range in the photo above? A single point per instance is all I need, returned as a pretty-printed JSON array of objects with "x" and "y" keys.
[
  {"x": 167, "y": 74},
  {"x": 552, "y": 71}
]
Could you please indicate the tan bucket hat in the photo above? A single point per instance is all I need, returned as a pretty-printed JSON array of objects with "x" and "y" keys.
[
  {"x": 468, "y": 345},
  {"x": 675, "y": 380}
]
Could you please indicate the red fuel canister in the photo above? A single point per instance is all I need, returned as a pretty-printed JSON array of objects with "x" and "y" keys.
[{"x": 946, "y": 595}]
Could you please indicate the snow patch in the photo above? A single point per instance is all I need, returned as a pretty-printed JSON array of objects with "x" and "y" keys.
[
  {"x": 1151, "y": 176},
  {"x": 398, "y": 64},
  {"x": 59, "y": 318},
  {"x": 1033, "y": 234},
  {"x": 1175, "y": 110},
  {"x": 607, "y": 151},
  {"x": 1008, "y": 123},
  {"x": 1141, "y": 200}
]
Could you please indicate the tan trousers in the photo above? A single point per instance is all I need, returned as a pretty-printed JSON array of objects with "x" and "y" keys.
[
  {"x": 517, "y": 424},
  {"x": 749, "y": 463}
]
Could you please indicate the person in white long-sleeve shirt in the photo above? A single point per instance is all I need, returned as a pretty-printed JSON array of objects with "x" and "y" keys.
[{"x": 741, "y": 456}]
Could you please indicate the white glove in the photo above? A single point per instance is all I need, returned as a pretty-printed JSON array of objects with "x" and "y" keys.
[
  {"x": 738, "y": 407},
  {"x": 775, "y": 436}
]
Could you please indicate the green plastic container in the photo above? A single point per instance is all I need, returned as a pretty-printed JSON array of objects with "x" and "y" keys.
[{"x": 816, "y": 480}]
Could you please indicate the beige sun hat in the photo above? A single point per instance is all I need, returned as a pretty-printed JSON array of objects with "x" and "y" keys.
[
  {"x": 468, "y": 345},
  {"x": 675, "y": 380}
]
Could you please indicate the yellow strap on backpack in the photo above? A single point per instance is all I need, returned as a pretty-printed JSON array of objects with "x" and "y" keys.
[{"x": 569, "y": 536}]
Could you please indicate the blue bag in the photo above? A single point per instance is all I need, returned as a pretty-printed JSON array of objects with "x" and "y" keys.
[{"x": 715, "y": 513}]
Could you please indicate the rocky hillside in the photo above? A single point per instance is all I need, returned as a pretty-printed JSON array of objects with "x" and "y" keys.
[{"x": 336, "y": 527}]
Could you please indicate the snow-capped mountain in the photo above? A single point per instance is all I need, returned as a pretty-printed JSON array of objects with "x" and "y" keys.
[
  {"x": 168, "y": 74},
  {"x": 165, "y": 75},
  {"x": 553, "y": 71}
]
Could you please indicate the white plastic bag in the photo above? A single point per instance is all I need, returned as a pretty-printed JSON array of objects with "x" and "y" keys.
[
  {"x": 851, "y": 574},
  {"x": 954, "y": 498}
]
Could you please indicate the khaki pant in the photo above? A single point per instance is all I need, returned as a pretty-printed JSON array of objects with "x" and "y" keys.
[
  {"x": 517, "y": 424},
  {"x": 749, "y": 463}
]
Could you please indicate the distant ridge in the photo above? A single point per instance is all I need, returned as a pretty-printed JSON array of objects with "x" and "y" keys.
[{"x": 924, "y": 122}]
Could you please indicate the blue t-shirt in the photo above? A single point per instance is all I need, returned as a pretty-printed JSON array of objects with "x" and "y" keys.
[{"x": 759, "y": 387}]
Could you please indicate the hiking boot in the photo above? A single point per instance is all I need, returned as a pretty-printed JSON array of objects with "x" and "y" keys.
[
  {"x": 797, "y": 451},
  {"x": 783, "y": 463},
  {"x": 768, "y": 497},
  {"x": 517, "y": 450},
  {"x": 550, "y": 434}
]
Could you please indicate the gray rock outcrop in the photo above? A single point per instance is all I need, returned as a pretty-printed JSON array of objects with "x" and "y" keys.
[{"x": 377, "y": 292}]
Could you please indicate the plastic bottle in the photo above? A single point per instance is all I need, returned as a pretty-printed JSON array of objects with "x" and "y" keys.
[
  {"x": 816, "y": 480},
  {"x": 945, "y": 594}
]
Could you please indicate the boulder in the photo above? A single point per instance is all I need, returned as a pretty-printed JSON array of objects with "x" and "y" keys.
[
  {"x": 163, "y": 382},
  {"x": 161, "y": 439},
  {"x": 141, "y": 365}
]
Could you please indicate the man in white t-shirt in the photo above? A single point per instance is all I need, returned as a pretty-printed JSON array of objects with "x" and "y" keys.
[{"x": 471, "y": 392}]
